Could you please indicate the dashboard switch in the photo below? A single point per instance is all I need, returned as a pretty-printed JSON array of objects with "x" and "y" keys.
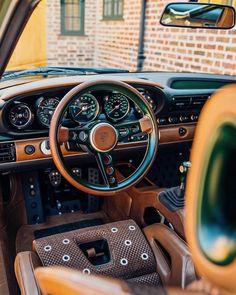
[
  {"x": 162, "y": 121},
  {"x": 110, "y": 170},
  {"x": 184, "y": 119},
  {"x": 29, "y": 149},
  {"x": 112, "y": 180},
  {"x": 107, "y": 159},
  {"x": 173, "y": 120},
  {"x": 182, "y": 131},
  {"x": 45, "y": 148},
  {"x": 194, "y": 117},
  {"x": 32, "y": 192}
]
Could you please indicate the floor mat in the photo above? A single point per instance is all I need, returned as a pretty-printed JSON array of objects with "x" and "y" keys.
[{"x": 66, "y": 228}]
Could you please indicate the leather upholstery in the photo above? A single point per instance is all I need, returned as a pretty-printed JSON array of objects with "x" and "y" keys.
[
  {"x": 61, "y": 281},
  {"x": 218, "y": 111},
  {"x": 125, "y": 241},
  {"x": 176, "y": 218},
  {"x": 174, "y": 263},
  {"x": 25, "y": 264},
  {"x": 159, "y": 237}
]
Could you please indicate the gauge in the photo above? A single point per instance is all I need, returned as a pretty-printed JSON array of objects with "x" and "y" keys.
[
  {"x": 148, "y": 98},
  {"x": 84, "y": 109},
  {"x": 20, "y": 116},
  {"x": 116, "y": 106},
  {"x": 46, "y": 109}
]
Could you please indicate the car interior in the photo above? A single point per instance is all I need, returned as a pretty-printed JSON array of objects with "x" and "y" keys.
[{"x": 118, "y": 183}]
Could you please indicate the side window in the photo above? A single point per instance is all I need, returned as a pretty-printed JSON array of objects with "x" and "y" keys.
[
  {"x": 72, "y": 17},
  {"x": 4, "y": 5},
  {"x": 113, "y": 9}
]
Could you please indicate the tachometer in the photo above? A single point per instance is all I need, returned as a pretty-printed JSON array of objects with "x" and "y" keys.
[
  {"x": 84, "y": 109},
  {"x": 20, "y": 116},
  {"x": 116, "y": 106},
  {"x": 45, "y": 110}
]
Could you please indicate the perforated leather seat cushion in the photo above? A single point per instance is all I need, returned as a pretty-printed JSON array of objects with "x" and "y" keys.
[{"x": 131, "y": 257}]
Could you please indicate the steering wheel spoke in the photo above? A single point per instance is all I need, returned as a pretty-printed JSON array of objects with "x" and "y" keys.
[
  {"x": 77, "y": 135},
  {"x": 105, "y": 164},
  {"x": 100, "y": 137},
  {"x": 128, "y": 129}
]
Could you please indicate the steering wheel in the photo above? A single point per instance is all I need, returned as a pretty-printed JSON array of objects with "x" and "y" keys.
[{"x": 101, "y": 137}]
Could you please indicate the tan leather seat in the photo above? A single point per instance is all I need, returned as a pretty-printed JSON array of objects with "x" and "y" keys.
[
  {"x": 61, "y": 281},
  {"x": 173, "y": 261},
  {"x": 210, "y": 214}
]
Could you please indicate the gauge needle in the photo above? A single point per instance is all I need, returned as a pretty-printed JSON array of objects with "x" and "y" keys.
[
  {"x": 48, "y": 108},
  {"x": 115, "y": 108},
  {"x": 84, "y": 108}
]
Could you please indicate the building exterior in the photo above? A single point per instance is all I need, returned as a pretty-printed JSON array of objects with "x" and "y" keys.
[{"x": 105, "y": 33}]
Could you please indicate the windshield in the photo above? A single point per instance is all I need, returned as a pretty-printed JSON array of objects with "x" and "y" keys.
[{"x": 119, "y": 34}]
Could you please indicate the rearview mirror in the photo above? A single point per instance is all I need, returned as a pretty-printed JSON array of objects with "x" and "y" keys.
[{"x": 198, "y": 15}]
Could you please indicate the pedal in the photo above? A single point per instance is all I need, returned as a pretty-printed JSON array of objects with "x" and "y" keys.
[
  {"x": 93, "y": 175},
  {"x": 55, "y": 178},
  {"x": 77, "y": 172}
]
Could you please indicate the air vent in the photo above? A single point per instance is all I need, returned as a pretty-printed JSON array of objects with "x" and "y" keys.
[
  {"x": 180, "y": 103},
  {"x": 188, "y": 102},
  {"x": 7, "y": 152},
  {"x": 198, "y": 101}
]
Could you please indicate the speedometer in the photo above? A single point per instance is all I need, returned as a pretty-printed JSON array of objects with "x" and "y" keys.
[
  {"x": 116, "y": 106},
  {"x": 46, "y": 109},
  {"x": 84, "y": 109}
]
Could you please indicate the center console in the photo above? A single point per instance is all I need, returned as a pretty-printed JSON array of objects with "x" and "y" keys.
[{"x": 170, "y": 202}]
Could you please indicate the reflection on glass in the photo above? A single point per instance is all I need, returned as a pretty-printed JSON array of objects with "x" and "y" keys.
[{"x": 198, "y": 15}]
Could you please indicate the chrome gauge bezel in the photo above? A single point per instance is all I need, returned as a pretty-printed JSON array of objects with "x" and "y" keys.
[
  {"x": 106, "y": 101},
  {"x": 30, "y": 119},
  {"x": 95, "y": 114},
  {"x": 43, "y": 99}
]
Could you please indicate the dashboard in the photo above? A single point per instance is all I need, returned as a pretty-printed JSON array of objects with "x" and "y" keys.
[
  {"x": 34, "y": 112},
  {"x": 26, "y": 110}
]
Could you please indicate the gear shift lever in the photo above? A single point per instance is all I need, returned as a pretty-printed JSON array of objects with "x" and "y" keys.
[
  {"x": 183, "y": 169},
  {"x": 173, "y": 198},
  {"x": 170, "y": 203}
]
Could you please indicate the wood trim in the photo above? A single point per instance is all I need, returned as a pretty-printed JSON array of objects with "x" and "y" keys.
[
  {"x": 166, "y": 135},
  {"x": 38, "y": 154},
  {"x": 170, "y": 134}
]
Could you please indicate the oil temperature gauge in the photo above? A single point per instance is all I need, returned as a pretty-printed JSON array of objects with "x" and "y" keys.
[{"x": 20, "y": 116}]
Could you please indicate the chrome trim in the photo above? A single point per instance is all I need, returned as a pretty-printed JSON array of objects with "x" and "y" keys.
[
  {"x": 43, "y": 100},
  {"x": 96, "y": 113},
  {"x": 126, "y": 113},
  {"x": 30, "y": 120}
]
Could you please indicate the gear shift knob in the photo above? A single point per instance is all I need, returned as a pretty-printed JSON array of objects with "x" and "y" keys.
[{"x": 183, "y": 169}]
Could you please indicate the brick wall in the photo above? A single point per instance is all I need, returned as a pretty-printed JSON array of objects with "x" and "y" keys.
[
  {"x": 115, "y": 43},
  {"x": 178, "y": 49},
  {"x": 70, "y": 50}
]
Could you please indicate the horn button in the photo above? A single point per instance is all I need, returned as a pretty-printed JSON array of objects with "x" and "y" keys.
[{"x": 103, "y": 137}]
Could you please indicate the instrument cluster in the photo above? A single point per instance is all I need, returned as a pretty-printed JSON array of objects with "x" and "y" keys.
[{"x": 112, "y": 106}]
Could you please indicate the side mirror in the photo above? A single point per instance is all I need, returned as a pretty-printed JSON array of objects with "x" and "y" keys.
[{"x": 198, "y": 15}]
